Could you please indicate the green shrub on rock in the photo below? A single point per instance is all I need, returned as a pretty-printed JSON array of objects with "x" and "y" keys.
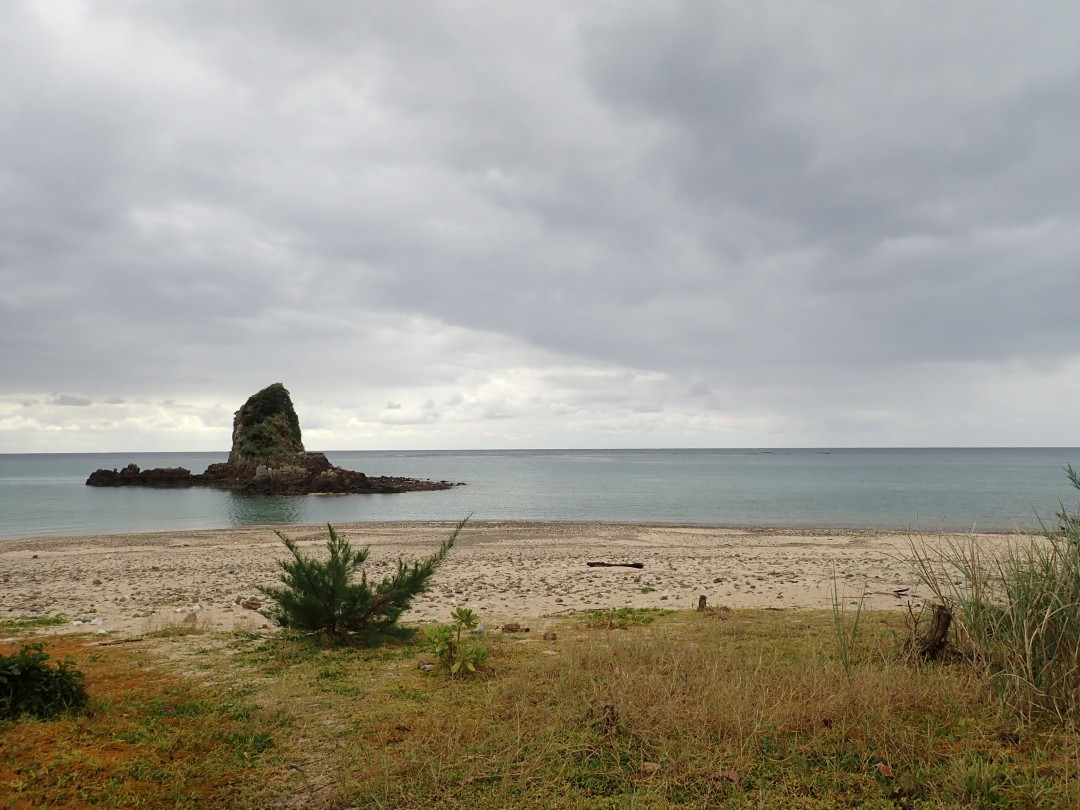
[
  {"x": 30, "y": 685},
  {"x": 319, "y": 596}
]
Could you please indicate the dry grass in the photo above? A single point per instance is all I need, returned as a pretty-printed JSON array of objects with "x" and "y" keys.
[
  {"x": 741, "y": 709},
  {"x": 151, "y": 738}
]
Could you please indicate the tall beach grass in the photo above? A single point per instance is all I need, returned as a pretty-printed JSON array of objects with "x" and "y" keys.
[{"x": 1016, "y": 609}]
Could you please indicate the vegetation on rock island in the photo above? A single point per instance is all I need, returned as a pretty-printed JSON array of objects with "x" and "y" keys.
[{"x": 267, "y": 427}]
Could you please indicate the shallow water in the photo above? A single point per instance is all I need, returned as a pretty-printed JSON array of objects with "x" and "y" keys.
[{"x": 905, "y": 488}]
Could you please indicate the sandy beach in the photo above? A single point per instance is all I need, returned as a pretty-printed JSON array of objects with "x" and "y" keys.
[{"x": 507, "y": 571}]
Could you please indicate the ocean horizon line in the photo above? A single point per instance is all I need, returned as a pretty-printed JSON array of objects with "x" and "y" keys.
[{"x": 760, "y": 449}]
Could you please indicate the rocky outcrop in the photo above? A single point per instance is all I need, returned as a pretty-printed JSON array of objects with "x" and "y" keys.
[
  {"x": 132, "y": 476},
  {"x": 267, "y": 458},
  {"x": 266, "y": 431}
]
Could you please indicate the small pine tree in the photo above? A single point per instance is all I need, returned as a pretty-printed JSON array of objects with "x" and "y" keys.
[{"x": 323, "y": 597}]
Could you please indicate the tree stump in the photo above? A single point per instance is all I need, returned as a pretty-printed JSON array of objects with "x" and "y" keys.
[{"x": 932, "y": 645}]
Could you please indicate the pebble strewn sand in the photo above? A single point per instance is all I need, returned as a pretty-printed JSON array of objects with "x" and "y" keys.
[{"x": 506, "y": 571}]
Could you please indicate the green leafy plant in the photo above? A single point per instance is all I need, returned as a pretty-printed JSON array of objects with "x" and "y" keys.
[
  {"x": 622, "y": 618},
  {"x": 454, "y": 654},
  {"x": 30, "y": 685},
  {"x": 324, "y": 596}
]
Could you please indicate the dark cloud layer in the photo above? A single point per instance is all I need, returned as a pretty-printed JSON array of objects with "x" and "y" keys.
[{"x": 688, "y": 223}]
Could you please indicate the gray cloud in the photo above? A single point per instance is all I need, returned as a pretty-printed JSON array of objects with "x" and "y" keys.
[
  {"x": 695, "y": 223},
  {"x": 65, "y": 400}
]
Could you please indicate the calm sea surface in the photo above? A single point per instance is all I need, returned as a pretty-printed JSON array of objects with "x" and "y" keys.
[{"x": 952, "y": 489}]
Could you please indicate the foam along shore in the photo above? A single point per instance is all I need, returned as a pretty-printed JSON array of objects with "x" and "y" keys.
[{"x": 506, "y": 571}]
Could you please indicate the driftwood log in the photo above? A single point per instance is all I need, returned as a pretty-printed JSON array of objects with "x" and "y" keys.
[
  {"x": 932, "y": 645},
  {"x": 614, "y": 565}
]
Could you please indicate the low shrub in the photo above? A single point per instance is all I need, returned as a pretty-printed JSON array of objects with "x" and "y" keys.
[
  {"x": 29, "y": 684},
  {"x": 455, "y": 655},
  {"x": 318, "y": 596}
]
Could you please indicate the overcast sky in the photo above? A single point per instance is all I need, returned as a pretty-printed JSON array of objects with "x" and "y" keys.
[{"x": 540, "y": 224}]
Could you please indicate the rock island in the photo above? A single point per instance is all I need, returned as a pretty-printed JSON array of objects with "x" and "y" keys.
[{"x": 267, "y": 458}]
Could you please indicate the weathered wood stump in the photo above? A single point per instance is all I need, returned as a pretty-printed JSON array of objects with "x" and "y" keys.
[{"x": 932, "y": 645}]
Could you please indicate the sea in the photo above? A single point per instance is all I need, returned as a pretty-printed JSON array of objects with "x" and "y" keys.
[{"x": 909, "y": 489}]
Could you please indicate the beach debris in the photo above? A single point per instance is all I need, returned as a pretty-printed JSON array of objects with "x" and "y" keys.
[
  {"x": 249, "y": 604},
  {"x": 615, "y": 565},
  {"x": 514, "y": 627}
]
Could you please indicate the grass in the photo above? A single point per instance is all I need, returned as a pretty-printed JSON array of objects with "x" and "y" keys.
[
  {"x": 151, "y": 738},
  {"x": 626, "y": 709},
  {"x": 1017, "y": 614},
  {"x": 25, "y": 623}
]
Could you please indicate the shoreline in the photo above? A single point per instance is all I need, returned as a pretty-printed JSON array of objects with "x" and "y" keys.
[{"x": 507, "y": 571}]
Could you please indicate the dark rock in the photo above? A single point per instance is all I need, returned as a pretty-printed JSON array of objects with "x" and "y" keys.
[
  {"x": 132, "y": 476},
  {"x": 267, "y": 458}
]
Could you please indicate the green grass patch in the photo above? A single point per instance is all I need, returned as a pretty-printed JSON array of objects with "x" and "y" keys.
[
  {"x": 24, "y": 623},
  {"x": 622, "y": 618}
]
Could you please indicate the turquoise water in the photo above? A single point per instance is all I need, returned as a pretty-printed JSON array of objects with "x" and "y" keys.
[{"x": 952, "y": 489}]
